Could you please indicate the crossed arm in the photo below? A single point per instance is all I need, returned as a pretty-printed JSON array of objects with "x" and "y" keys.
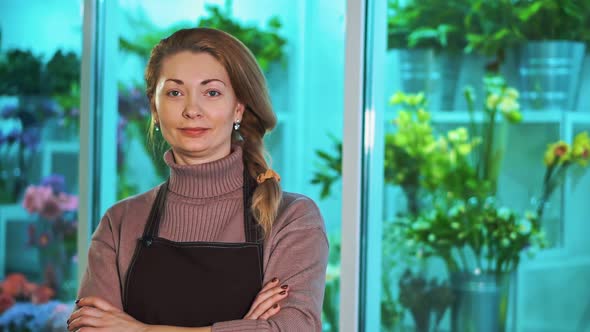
[{"x": 95, "y": 314}]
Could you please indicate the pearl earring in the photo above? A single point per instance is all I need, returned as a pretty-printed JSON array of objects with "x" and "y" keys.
[{"x": 237, "y": 125}]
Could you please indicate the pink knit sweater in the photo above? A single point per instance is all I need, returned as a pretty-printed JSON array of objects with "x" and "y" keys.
[{"x": 205, "y": 204}]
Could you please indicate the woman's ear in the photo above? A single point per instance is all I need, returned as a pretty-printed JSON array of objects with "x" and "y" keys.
[
  {"x": 240, "y": 111},
  {"x": 155, "y": 117}
]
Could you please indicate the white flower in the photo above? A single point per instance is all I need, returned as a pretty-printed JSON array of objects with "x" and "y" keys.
[
  {"x": 525, "y": 226},
  {"x": 512, "y": 93},
  {"x": 504, "y": 213},
  {"x": 492, "y": 101},
  {"x": 508, "y": 105}
]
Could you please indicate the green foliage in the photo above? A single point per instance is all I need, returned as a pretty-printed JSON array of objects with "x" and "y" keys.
[
  {"x": 266, "y": 44},
  {"x": 500, "y": 108},
  {"x": 494, "y": 26},
  {"x": 473, "y": 234},
  {"x": 554, "y": 19},
  {"x": 491, "y": 27},
  {"x": 23, "y": 73},
  {"x": 427, "y": 23},
  {"x": 20, "y": 73},
  {"x": 62, "y": 71},
  {"x": 330, "y": 170}
]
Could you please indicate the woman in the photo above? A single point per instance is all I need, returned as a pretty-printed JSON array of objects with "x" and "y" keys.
[{"x": 193, "y": 253}]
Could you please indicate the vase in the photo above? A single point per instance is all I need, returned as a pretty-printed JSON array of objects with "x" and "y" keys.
[
  {"x": 549, "y": 74},
  {"x": 434, "y": 73},
  {"x": 481, "y": 302}
]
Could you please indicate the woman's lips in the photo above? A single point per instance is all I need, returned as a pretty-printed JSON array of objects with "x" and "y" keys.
[{"x": 193, "y": 132}]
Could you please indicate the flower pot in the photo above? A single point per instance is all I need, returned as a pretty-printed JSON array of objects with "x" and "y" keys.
[
  {"x": 549, "y": 74},
  {"x": 434, "y": 73},
  {"x": 480, "y": 302}
]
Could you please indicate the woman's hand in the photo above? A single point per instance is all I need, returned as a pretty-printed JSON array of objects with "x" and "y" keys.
[
  {"x": 266, "y": 304},
  {"x": 96, "y": 315}
]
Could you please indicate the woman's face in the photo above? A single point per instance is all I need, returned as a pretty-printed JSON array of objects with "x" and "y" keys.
[{"x": 195, "y": 106}]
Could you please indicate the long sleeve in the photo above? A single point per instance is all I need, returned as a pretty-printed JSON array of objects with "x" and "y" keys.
[
  {"x": 298, "y": 256},
  {"x": 101, "y": 277}
]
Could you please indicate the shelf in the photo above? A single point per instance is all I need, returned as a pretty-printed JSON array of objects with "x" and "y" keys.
[{"x": 527, "y": 117}]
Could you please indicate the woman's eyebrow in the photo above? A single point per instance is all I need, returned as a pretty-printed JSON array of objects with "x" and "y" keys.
[
  {"x": 204, "y": 82},
  {"x": 207, "y": 81}
]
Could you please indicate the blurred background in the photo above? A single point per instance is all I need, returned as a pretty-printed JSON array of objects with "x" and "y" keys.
[{"x": 479, "y": 181}]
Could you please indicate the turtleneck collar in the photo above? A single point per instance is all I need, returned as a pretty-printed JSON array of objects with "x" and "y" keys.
[{"x": 206, "y": 180}]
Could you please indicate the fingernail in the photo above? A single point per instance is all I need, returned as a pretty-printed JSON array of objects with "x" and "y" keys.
[
  {"x": 285, "y": 286},
  {"x": 77, "y": 301},
  {"x": 275, "y": 306},
  {"x": 274, "y": 280},
  {"x": 283, "y": 293}
]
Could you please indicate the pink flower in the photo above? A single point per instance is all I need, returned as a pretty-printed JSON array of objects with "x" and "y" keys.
[
  {"x": 14, "y": 284},
  {"x": 68, "y": 202},
  {"x": 51, "y": 209},
  {"x": 36, "y": 197},
  {"x": 42, "y": 294},
  {"x": 41, "y": 200},
  {"x": 6, "y": 301}
]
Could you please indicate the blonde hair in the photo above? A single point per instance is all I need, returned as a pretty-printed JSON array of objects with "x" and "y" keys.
[{"x": 250, "y": 88}]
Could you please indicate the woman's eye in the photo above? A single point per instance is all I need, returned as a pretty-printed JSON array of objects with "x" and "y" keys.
[
  {"x": 174, "y": 93},
  {"x": 213, "y": 93}
]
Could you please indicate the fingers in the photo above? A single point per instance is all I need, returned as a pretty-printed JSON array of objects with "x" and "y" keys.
[
  {"x": 266, "y": 300},
  {"x": 96, "y": 302},
  {"x": 86, "y": 311},
  {"x": 271, "y": 312},
  {"x": 84, "y": 321},
  {"x": 274, "y": 282}
]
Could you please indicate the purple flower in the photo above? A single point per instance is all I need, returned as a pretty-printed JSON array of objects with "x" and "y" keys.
[
  {"x": 13, "y": 136},
  {"x": 75, "y": 112},
  {"x": 9, "y": 112},
  {"x": 57, "y": 182},
  {"x": 31, "y": 138},
  {"x": 133, "y": 104},
  {"x": 49, "y": 108}
]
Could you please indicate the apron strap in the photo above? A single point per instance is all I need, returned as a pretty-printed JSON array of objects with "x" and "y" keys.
[{"x": 153, "y": 225}]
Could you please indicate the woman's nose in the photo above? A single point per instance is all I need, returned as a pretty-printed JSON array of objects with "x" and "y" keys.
[{"x": 192, "y": 109}]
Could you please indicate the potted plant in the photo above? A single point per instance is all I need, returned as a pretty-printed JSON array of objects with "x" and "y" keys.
[
  {"x": 555, "y": 34},
  {"x": 548, "y": 38},
  {"x": 429, "y": 36}
]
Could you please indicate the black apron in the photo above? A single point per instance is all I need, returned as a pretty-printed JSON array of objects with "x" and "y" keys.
[{"x": 193, "y": 284}]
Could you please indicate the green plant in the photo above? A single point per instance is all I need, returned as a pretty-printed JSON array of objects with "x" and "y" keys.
[
  {"x": 474, "y": 235},
  {"x": 62, "y": 72},
  {"x": 494, "y": 26},
  {"x": 266, "y": 44},
  {"x": 501, "y": 107},
  {"x": 554, "y": 19},
  {"x": 422, "y": 162},
  {"x": 331, "y": 303},
  {"x": 427, "y": 23},
  {"x": 20, "y": 73},
  {"x": 330, "y": 170}
]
